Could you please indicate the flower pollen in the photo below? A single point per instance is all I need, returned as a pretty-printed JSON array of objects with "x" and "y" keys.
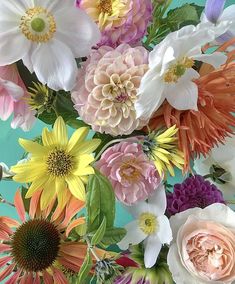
[
  {"x": 59, "y": 163},
  {"x": 38, "y": 25},
  {"x": 35, "y": 245},
  {"x": 105, "y": 6},
  {"x": 129, "y": 172},
  {"x": 177, "y": 70},
  {"x": 148, "y": 223}
]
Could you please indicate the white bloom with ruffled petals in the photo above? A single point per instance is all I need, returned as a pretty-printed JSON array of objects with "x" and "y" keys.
[
  {"x": 47, "y": 35},
  {"x": 150, "y": 225}
]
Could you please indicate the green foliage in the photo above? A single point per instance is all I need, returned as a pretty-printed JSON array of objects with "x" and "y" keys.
[
  {"x": 100, "y": 202},
  {"x": 113, "y": 236},
  {"x": 165, "y": 22},
  {"x": 85, "y": 268},
  {"x": 99, "y": 234}
]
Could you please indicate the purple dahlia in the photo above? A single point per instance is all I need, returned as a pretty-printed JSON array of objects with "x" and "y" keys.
[{"x": 195, "y": 191}]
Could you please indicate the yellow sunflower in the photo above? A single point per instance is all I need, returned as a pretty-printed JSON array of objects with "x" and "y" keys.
[{"x": 60, "y": 166}]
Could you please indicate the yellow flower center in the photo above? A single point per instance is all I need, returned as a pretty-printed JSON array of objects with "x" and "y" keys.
[
  {"x": 148, "y": 223},
  {"x": 38, "y": 25},
  {"x": 59, "y": 163},
  {"x": 105, "y": 6},
  {"x": 177, "y": 70},
  {"x": 129, "y": 172}
]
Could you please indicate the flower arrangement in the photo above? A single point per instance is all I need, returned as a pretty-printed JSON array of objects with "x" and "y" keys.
[{"x": 139, "y": 101}]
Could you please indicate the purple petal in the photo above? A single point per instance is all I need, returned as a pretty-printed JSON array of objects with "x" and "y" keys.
[{"x": 214, "y": 9}]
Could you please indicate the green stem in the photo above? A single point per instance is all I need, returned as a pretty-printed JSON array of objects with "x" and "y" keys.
[
  {"x": 207, "y": 176},
  {"x": 2, "y": 200},
  {"x": 91, "y": 249},
  {"x": 106, "y": 146}
]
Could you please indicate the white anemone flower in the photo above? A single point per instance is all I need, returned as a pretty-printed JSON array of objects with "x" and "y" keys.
[
  {"x": 150, "y": 226},
  {"x": 47, "y": 35},
  {"x": 219, "y": 166},
  {"x": 171, "y": 74}
]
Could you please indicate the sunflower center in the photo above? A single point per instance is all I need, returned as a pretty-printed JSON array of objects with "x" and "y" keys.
[
  {"x": 38, "y": 25},
  {"x": 59, "y": 163},
  {"x": 105, "y": 6},
  {"x": 148, "y": 223},
  {"x": 35, "y": 245},
  {"x": 177, "y": 70}
]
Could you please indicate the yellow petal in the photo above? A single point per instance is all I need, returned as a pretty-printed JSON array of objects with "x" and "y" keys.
[
  {"x": 60, "y": 132},
  {"x": 78, "y": 136},
  {"x": 33, "y": 147},
  {"x": 169, "y": 132},
  {"x": 63, "y": 196},
  {"x": 84, "y": 160},
  {"x": 48, "y": 194},
  {"x": 36, "y": 185},
  {"x": 86, "y": 147},
  {"x": 76, "y": 187},
  {"x": 48, "y": 138},
  {"x": 26, "y": 172},
  {"x": 84, "y": 171}
]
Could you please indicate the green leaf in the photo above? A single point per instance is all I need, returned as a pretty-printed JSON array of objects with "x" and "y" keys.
[
  {"x": 181, "y": 16},
  {"x": 98, "y": 236},
  {"x": 100, "y": 202},
  {"x": 85, "y": 268},
  {"x": 26, "y": 201},
  {"x": 76, "y": 123},
  {"x": 113, "y": 236}
]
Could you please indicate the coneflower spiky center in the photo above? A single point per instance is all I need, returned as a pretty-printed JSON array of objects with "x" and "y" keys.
[{"x": 35, "y": 245}]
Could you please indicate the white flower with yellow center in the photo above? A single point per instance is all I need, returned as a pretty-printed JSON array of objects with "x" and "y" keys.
[
  {"x": 47, "y": 35},
  {"x": 150, "y": 225},
  {"x": 171, "y": 73}
]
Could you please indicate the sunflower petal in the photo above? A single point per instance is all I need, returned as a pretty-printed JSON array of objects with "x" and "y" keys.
[
  {"x": 76, "y": 187},
  {"x": 60, "y": 132},
  {"x": 78, "y": 136},
  {"x": 32, "y": 147}
]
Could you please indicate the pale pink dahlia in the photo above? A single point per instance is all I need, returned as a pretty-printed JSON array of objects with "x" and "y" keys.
[
  {"x": 120, "y": 21},
  {"x": 107, "y": 86},
  {"x": 12, "y": 98},
  {"x": 132, "y": 174}
]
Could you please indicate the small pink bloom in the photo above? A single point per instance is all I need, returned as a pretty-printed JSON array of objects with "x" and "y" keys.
[
  {"x": 12, "y": 98},
  {"x": 131, "y": 173},
  {"x": 204, "y": 247}
]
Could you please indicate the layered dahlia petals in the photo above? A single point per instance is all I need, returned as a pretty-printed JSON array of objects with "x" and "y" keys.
[
  {"x": 107, "y": 86},
  {"x": 132, "y": 175}
]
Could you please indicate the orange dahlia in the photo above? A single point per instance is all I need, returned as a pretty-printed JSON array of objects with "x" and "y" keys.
[
  {"x": 199, "y": 131},
  {"x": 37, "y": 249}
]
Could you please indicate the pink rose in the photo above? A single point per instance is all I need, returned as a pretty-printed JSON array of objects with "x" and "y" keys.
[
  {"x": 203, "y": 249},
  {"x": 133, "y": 176}
]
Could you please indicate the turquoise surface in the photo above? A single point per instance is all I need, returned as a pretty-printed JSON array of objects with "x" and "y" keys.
[{"x": 10, "y": 151}]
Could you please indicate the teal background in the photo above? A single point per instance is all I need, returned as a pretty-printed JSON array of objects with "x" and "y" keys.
[{"x": 10, "y": 151}]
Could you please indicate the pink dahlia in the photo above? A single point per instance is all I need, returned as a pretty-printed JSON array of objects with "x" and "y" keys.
[
  {"x": 106, "y": 89},
  {"x": 120, "y": 21},
  {"x": 12, "y": 98},
  {"x": 133, "y": 176}
]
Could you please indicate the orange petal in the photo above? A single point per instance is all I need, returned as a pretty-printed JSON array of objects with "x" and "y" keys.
[
  {"x": 19, "y": 204},
  {"x": 59, "y": 276},
  {"x": 34, "y": 203},
  {"x": 7, "y": 271},
  {"x": 74, "y": 224},
  {"x": 48, "y": 279}
]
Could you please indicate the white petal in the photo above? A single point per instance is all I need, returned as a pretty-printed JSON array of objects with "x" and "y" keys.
[
  {"x": 6, "y": 171},
  {"x": 77, "y": 30},
  {"x": 183, "y": 95},
  {"x": 228, "y": 14},
  {"x": 179, "y": 219},
  {"x": 54, "y": 65},
  {"x": 158, "y": 199},
  {"x": 167, "y": 59},
  {"x": 152, "y": 248},
  {"x": 13, "y": 46},
  {"x": 138, "y": 208},
  {"x": 15, "y": 91},
  {"x": 134, "y": 235},
  {"x": 164, "y": 233},
  {"x": 150, "y": 95},
  {"x": 179, "y": 272},
  {"x": 215, "y": 59}
]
